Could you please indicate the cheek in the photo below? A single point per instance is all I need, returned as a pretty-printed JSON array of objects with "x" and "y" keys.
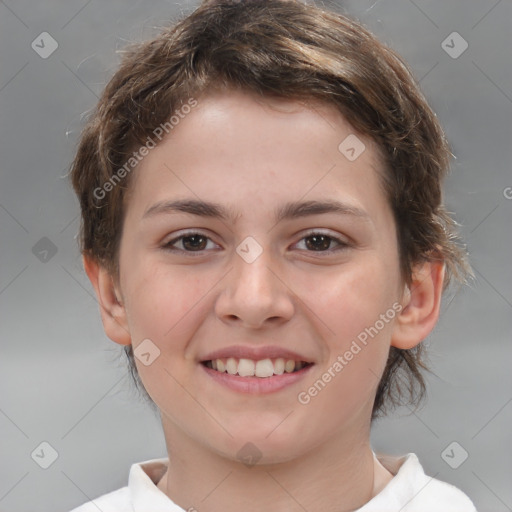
[
  {"x": 159, "y": 297},
  {"x": 355, "y": 307},
  {"x": 164, "y": 306},
  {"x": 350, "y": 299}
]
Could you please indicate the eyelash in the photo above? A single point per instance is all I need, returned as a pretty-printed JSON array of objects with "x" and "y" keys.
[{"x": 169, "y": 245}]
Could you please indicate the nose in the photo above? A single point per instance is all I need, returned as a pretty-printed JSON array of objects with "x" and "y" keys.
[{"x": 254, "y": 294}]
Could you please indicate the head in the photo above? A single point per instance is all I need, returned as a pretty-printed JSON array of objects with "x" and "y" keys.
[{"x": 197, "y": 113}]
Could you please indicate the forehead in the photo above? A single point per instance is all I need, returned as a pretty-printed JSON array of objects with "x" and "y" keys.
[{"x": 235, "y": 147}]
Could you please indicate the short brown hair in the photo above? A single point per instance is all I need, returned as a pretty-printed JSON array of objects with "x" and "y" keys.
[{"x": 283, "y": 49}]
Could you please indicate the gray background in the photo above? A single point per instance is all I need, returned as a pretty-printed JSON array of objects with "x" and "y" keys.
[{"x": 62, "y": 381}]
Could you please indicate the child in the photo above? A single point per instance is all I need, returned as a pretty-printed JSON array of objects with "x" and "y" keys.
[{"x": 260, "y": 188}]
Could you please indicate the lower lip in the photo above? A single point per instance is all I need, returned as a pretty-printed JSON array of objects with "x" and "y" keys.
[{"x": 257, "y": 385}]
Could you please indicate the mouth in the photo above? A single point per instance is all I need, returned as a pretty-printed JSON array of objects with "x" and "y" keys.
[{"x": 262, "y": 368}]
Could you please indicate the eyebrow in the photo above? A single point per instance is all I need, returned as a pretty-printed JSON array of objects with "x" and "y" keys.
[{"x": 289, "y": 211}]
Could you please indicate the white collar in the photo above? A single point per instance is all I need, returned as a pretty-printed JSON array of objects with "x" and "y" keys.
[{"x": 145, "y": 495}]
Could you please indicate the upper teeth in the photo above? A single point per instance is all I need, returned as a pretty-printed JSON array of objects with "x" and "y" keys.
[{"x": 250, "y": 368}]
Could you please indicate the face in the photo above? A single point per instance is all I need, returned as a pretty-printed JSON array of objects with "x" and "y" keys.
[{"x": 250, "y": 240}]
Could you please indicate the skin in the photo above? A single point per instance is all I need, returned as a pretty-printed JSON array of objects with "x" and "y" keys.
[{"x": 253, "y": 156}]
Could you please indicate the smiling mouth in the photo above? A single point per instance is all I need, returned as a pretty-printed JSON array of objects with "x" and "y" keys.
[{"x": 249, "y": 368}]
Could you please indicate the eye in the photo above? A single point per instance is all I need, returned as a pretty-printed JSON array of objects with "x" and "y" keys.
[
  {"x": 196, "y": 242},
  {"x": 190, "y": 242},
  {"x": 321, "y": 242}
]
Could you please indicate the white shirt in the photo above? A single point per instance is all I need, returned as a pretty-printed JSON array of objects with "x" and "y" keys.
[{"x": 410, "y": 490}]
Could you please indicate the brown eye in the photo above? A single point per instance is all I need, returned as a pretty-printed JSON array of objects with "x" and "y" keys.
[
  {"x": 318, "y": 242},
  {"x": 321, "y": 242},
  {"x": 194, "y": 242},
  {"x": 190, "y": 242}
]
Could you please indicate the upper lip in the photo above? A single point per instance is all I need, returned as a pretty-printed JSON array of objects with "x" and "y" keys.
[{"x": 255, "y": 353}]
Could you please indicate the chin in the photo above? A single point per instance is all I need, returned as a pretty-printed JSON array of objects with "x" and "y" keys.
[{"x": 256, "y": 447}]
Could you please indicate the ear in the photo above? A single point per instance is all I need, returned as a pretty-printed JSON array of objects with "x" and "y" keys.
[
  {"x": 421, "y": 304},
  {"x": 113, "y": 312}
]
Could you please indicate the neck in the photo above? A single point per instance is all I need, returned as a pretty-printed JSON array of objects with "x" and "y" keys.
[{"x": 340, "y": 475}]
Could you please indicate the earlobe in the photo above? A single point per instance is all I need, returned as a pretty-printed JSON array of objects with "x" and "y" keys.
[
  {"x": 421, "y": 304},
  {"x": 112, "y": 309}
]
